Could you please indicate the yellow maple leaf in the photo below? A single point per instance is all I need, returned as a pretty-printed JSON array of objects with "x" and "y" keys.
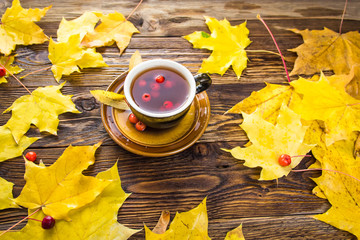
[
  {"x": 326, "y": 50},
  {"x": 18, "y": 27},
  {"x": 41, "y": 108},
  {"x": 97, "y": 220},
  {"x": 61, "y": 187},
  {"x": 187, "y": 225},
  {"x": 6, "y": 197},
  {"x": 228, "y": 44},
  {"x": 67, "y": 57},
  {"x": 341, "y": 190},
  {"x": 7, "y": 62},
  {"x": 113, "y": 28},
  {"x": 322, "y": 101},
  {"x": 269, "y": 141},
  {"x": 9, "y": 148},
  {"x": 236, "y": 234},
  {"x": 81, "y": 25},
  {"x": 268, "y": 101}
]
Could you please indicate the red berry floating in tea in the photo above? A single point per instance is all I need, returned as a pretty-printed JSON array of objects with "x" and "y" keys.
[
  {"x": 168, "y": 84},
  {"x": 160, "y": 79},
  {"x": 48, "y": 222},
  {"x": 31, "y": 156},
  {"x": 284, "y": 160},
  {"x": 155, "y": 86},
  {"x": 133, "y": 119},
  {"x": 2, "y": 72},
  {"x": 140, "y": 126},
  {"x": 142, "y": 83},
  {"x": 168, "y": 105},
  {"x": 146, "y": 97}
]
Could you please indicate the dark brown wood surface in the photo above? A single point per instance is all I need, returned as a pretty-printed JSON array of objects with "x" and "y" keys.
[{"x": 267, "y": 209}]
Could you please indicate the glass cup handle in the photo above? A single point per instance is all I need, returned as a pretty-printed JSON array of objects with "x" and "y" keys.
[{"x": 203, "y": 82}]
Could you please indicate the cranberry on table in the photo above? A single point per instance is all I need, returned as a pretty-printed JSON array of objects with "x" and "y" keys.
[
  {"x": 31, "y": 156},
  {"x": 284, "y": 160},
  {"x": 2, "y": 72},
  {"x": 48, "y": 222},
  {"x": 140, "y": 126},
  {"x": 133, "y": 119}
]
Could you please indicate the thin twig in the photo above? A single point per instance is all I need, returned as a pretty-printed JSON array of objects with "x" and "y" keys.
[
  {"x": 302, "y": 156},
  {"x": 342, "y": 17},
  {"x": 265, "y": 51},
  {"x": 132, "y": 12},
  {"x": 39, "y": 70},
  {"x": 15, "y": 78},
  {"x": 19, "y": 222},
  {"x": 323, "y": 169},
  {"x": 273, "y": 38}
]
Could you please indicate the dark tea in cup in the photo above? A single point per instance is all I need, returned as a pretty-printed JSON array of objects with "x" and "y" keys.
[{"x": 160, "y": 90}]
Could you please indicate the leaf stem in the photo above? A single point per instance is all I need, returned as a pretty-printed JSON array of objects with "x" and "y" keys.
[
  {"x": 265, "y": 51},
  {"x": 342, "y": 17},
  {"x": 19, "y": 222},
  {"x": 39, "y": 70},
  {"x": 16, "y": 79},
  {"x": 301, "y": 156},
  {"x": 323, "y": 169},
  {"x": 132, "y": 12},
  {"x": 277, "y": 46}
]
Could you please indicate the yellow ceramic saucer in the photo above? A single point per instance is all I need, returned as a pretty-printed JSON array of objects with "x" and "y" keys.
[{"x": 155, "y": 142}]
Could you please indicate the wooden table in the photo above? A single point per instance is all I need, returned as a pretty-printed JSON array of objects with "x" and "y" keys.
[{"x": 267, "y": 209}]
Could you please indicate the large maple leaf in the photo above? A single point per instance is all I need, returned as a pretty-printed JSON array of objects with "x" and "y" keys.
[
  {"x": 67, "y": 57},
  {"x": 6, "y": 197},
  {"x": 187, "y": 225},
  {"x": 81, "y": 25},
  {"x": 326, "y": 50},
  {"x": 269, "y": 141},
  {"x": 9, "y": 148},
  {"x": 268, "y": 100},
  {"x": 7, "y": 62},
  {"x": 17, "y": 27},
  {"x": 41, "y": 108},
  {"x": 341, "y": 190},
  {"x": 61, "y": 187},
  {"x": 97, "y": 220},
  {"x": 322, "y": 101},
  {"x": 113, "y": 28},
  {"x": 228, "y": 44}
]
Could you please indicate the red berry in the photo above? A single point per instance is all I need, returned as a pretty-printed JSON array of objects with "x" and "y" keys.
[
  {"x": 155, "y": 94},
  {"x": 160, "y": 79},
  {"x": 168, "y": 105},
  {"x": 142, "y": 83},
  {"x": 140, "y": 126},
  {"x": 284, "y": 160},
  {"x": 168, "y": 84},
  {"x": 132, "y": 118},
  {"x": 155, "y": 86},
  {"x": 48, "y": 222},
  {"x": 31, "y": 156},
  {"x": 146, "y": 97},
  {"x": 2, "y": 71}
]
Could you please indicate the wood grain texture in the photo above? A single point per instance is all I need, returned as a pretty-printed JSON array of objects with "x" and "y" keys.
[{"x": 267, "y": 209}]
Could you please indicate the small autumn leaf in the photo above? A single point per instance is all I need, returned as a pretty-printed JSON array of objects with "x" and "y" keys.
[
  {"x": 9, "y": 148},
  {"x": 113, "y": 28},
  {"x": 6, "y": 197},
  {"x": 7, "y": 62},
  {"x": 18, "y": 27},
  {"x": 68, "y": 57},
  {"x": 322, "y": 101},
  {"x": 228, "y": 44},
  {"x": 81, "y": 25},
  {"x": 135, "y": 60},
  {"x": 269, "y": 141},
  {"x": 187, "y": 225},
  {"x": 41, "y": 108},
  {"x": 97, "y": 220},
  {"x": 268, "y": 101},
  {"x": 235, "y": 234},
  {"x": 326, "y": 50},
  {"x": 341, "y": 190},
  {"x": 112, "y": 99},
  {"x": 61, "y": 187}
]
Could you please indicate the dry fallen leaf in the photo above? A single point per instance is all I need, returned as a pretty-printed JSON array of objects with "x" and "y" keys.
[
  {"x": 7, "y": 62},
  {"x": 41, "y": 108},
  {"x": 18, "y": 27},
  {"x": 112, "y": 99},
  {"x": 113, "y": 28},
  {"x": 61, "y": 187},
  {"x": 269, "y": 141},
  {"x": 228, "y": 44},
  {"x": 326, "y": 50}
]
